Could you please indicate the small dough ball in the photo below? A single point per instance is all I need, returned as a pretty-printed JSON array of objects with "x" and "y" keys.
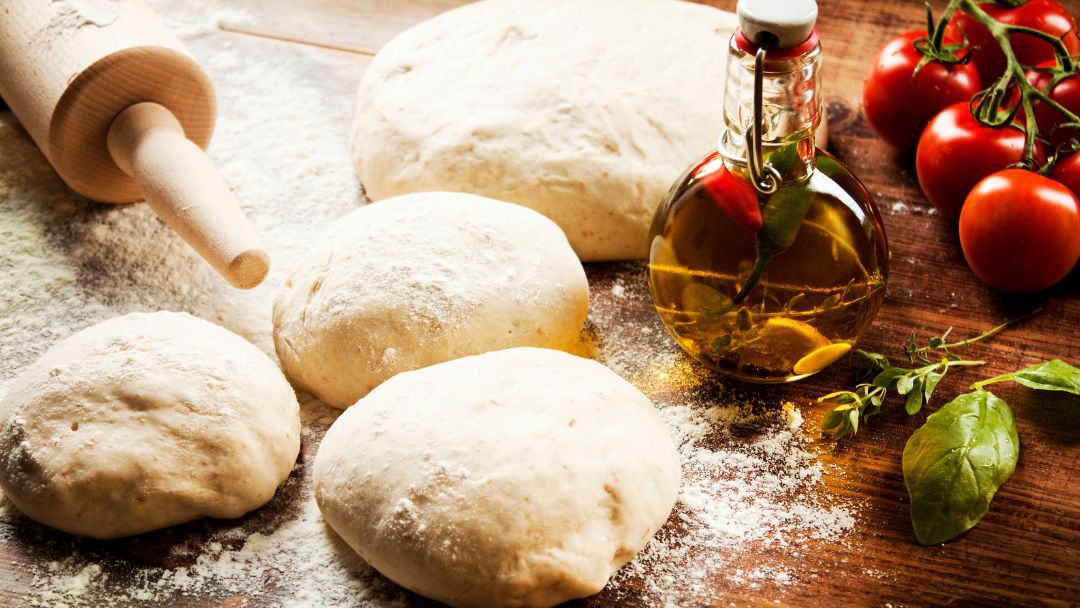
[
  {"x": 585, "y": 111},
  {"x": 524, "y": 477},
  {"x": 422, "y": 279},
  {"x": 146, "y": 421}
]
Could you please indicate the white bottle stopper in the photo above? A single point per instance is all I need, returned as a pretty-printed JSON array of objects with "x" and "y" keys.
[{"x": 778, "y": 23}]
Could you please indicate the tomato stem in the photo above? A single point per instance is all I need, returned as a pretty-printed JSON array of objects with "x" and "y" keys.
[
  {"x": 988, "y": 107},
  {"x": 933, "y": 47}
]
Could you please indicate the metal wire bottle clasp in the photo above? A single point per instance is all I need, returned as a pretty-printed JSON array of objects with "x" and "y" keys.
[{"x": 765, "y": 177}]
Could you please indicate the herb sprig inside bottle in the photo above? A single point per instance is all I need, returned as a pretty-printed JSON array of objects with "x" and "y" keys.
[{"x": 768, "y": 259}]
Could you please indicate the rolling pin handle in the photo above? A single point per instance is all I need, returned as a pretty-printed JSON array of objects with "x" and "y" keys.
[{"x": 147, "y": 142}]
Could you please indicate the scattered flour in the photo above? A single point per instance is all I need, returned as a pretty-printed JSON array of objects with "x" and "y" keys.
[
  {"x": 753, "y": 491},
  {"x": 67, "y": 264},
  {"x": 299, "y": 561},
  {"x": 900, "y": 207}
]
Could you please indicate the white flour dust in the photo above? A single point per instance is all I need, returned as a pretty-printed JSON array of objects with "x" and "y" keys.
[
  {"x": 67, "y": 264},
  {"x": 753, "y": 488}
]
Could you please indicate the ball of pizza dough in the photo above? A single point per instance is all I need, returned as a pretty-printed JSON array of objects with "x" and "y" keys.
[
  {"x": 585, "y": 111},
  {"x": 421, "y": 279},
  {"x": 524, "y": 477},
  {"x": 146, "y": 421}
]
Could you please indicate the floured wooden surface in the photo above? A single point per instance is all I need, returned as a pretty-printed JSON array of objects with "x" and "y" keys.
[{"x": 768, "y": 514}]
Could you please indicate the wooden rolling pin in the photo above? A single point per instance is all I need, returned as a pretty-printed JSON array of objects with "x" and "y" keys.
[{"x": 123, "y": 113}]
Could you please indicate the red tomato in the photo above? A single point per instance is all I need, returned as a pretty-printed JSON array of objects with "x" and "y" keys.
[
  {"x": 1067, "y": 93},
  {"x": 1020, "y": 231},
  {"x": 899, "y": 106},
  {"x": 1067, "y": 172},
  {"x": 1043, "y": 15},
  {"x": 956, "y": 152}
]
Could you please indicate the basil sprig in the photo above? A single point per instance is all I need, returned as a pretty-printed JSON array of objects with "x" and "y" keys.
[
  {"x": 955, "y": 463},
  {"x": 1053, "y": 375}
]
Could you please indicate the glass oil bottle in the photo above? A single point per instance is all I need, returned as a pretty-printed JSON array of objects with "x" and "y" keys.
[{"x": 768, "y": 259}]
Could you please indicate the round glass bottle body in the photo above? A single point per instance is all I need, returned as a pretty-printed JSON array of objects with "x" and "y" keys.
[{"x": 813, "y": 300}]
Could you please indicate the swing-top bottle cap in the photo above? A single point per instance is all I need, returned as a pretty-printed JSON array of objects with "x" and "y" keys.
[{"x": 779, "y": 24}]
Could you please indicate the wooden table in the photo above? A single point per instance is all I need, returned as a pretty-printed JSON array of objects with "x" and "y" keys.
[{"x": 1027, "y": 549}]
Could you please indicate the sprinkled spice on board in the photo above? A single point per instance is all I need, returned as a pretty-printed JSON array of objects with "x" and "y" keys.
[{"x": 752, "y": 482}]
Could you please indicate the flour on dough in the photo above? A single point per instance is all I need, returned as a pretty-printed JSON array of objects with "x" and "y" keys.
[
  {"x": 518, "y": 478},
  {"x": 406, "y": 283},
  {"x": 584, "y": 111},
  {"x": 145, "y": 421}
]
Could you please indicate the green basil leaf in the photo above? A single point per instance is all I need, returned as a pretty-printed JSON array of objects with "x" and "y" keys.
[
  {"x": 955, "y": 463},
  {"x": 1053, "y": 375},
  {"x": 914, "y": 401}
]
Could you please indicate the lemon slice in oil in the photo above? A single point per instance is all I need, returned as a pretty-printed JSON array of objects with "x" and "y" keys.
[{"x": 821, "y": 358}]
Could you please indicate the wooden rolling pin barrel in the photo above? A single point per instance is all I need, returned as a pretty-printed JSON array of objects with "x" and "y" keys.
[{"x": 123, "y": 113}]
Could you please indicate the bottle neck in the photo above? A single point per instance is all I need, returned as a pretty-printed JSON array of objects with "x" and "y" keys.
[{"x": 791, "y": 107}]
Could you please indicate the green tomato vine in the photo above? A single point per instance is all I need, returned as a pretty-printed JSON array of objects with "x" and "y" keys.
[{"x": 998, "y": 105}]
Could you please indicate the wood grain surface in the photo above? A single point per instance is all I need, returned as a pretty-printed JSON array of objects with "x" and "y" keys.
[{"x": 1026, "y": 552}]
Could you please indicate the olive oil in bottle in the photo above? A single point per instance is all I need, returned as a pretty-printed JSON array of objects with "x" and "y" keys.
[{"x": 768, "y": 259}]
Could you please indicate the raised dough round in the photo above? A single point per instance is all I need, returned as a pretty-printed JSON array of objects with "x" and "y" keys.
[
  {"x": 524, "y": 477},
  {"x": 403, "y": 284},
  {"x": 586, "y": 111},
  {"x": 146, "y": 421}
]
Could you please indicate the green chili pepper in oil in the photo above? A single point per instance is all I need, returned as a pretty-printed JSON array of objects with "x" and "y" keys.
[{"x": 781, "y": 217}]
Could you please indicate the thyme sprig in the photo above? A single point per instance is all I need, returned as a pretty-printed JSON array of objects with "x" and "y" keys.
[
  {"x": 916, "y": 384},
  {"x": 877, "y": 376}
]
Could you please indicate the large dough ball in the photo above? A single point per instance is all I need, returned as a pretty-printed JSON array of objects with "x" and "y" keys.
[
  {"x": 524, "y": 477},
  {"x": 146, "y": 421},
  {"x": 426, "y": 278},
  {"x": 586, "y": 111}
]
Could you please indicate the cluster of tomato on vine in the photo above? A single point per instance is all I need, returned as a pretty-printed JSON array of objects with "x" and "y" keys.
[{"x": 988, "y": 98}]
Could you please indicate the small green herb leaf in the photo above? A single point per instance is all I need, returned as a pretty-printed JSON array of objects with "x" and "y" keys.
[
  {"x": 905, "y": 383},
  {"x": 831, "y": 301},
  {"x": 930, "y": 383},
  {"x": 833, "y": 419},
  {"x": 1053, "y": 375},
  {"x": 873, "y": 360},
  {"x": 720, "y": 344},
  {"x": 956, "y": 462},
  {"x": 888, "y": 377},
  {"x": 918, "y": 384},
  {"x": 871, "y": 364},
  {"x": 914, "y": 401},
  {"x": 742, "y": 320}
]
